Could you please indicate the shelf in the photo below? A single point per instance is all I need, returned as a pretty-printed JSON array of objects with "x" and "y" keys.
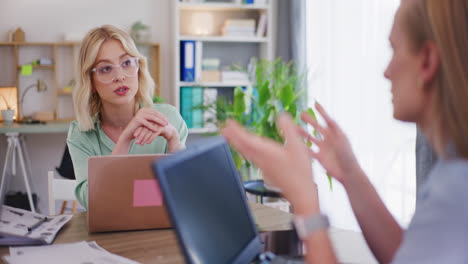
[
  {"x": 202, "y": 130},
  {"x": 214, "y": 84},
  {"x": 41, "y": 66},
  {"x": 39, "y": 43},
  {"x": 225, "y": 39},
  {"x": 221, "y": 6},
  {"x": 64, "y": 93}
]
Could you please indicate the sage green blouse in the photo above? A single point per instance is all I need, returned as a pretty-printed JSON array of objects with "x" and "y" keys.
[{"x": 96, "y": 143}]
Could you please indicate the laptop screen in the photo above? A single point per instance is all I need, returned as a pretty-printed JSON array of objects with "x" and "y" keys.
[{"x": 207, "y": 204}]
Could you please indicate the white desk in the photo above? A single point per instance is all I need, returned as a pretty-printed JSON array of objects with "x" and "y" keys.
[{"x": 16, "y": 148}]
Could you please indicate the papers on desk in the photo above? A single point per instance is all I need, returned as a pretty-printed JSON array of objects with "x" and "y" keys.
[
  {"x": 79, "y": 253},
  {"x": 21, "y": 227}
]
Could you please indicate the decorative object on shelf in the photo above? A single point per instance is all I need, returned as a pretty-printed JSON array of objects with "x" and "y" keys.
[
  {"x": 19, "y": 36},
  {"x": 69, "y": 87},
  {"x": 202, "y": 24},
  {"x": 40, "y": 85},
  {"x": 8, "y": 114},
  {"x": 140, "y": 32}
]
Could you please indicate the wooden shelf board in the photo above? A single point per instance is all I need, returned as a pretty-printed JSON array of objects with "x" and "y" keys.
[
  {"x": 64, "y": 93},
  {"x": 225, "y": 39},
  {"x": 221, "y": 6},
  {"x": 40, "y": 66},
  {"x": 214, "y": 84}
]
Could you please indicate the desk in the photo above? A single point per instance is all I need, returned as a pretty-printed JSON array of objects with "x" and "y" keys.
[
  {"x": 160, "y": 246},
  {"x": 156, "y": 246},
  {"x": 16, "y": 147}
]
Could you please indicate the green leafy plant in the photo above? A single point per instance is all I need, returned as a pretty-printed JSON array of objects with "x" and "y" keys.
[
  {"x": 279, "y": 88},
  {"x": 137, "y": 29}
]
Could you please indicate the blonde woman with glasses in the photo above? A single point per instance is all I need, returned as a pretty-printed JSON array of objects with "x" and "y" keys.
[
  {"x": 429, "y": 77},
  {"x": 113, "y": 105}
]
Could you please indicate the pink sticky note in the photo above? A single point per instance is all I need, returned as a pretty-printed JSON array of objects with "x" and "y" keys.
[{"x": 146, "y": 193}]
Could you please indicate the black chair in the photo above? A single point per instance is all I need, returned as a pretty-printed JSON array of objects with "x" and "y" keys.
[
  {"x": 66, "y": 170},
  {"x": 66, "y": 166}
]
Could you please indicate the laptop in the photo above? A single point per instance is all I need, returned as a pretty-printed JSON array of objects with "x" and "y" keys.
[
  {"x": 123, "y": 194},
  {"x": 207, "y": 205}
]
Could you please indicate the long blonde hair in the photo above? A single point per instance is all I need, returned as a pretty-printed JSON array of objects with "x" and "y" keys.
[
  {"x": 445, "y": 22},
  {"x": 86, "y": 102}
]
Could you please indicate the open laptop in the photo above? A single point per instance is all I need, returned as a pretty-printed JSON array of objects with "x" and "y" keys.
[
  {"x": 123, "y": 194},
  {"x": 208, "y": 208}
]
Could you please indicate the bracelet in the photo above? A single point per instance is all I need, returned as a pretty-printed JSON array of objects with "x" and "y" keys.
[{"x": 306, "y": 225}]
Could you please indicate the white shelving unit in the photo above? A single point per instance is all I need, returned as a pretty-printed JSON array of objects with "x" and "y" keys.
[{"x": 228, "y": 48}]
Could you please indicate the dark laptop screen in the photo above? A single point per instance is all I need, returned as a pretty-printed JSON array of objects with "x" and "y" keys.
[{"x": 207, "y": 206}]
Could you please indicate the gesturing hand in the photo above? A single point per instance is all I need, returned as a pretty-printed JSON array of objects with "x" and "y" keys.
[
  {"x": 335, "y": 153},
  {"x": 287, "y": 166}
]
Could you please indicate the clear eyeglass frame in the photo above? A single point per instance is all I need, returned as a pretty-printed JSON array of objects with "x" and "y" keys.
[{"x": 110, "y": 75}]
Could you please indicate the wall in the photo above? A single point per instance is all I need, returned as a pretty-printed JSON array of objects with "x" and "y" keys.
[{"x": 47, "y": 21}]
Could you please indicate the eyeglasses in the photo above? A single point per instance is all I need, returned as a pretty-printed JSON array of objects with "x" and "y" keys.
[{"x": 106, "y": 73}]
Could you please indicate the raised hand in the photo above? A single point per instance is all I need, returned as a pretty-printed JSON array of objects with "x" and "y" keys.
[
  {"x": 334, "y": 150},
  {"x": 287, "y": 166}
]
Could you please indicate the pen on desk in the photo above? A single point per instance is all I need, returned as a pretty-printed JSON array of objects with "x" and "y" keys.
[{"x": 38, "y": 223}]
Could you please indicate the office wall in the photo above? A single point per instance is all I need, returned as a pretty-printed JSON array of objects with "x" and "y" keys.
[{"x": 49, "y": 20}]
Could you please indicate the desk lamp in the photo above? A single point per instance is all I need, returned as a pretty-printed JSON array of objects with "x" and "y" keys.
[{"x": 41, "y": 87}]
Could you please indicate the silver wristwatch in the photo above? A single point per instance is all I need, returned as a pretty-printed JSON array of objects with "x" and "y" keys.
[{"x": 305, "y": 225}]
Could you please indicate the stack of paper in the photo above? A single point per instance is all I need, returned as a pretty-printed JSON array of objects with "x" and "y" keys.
[
  {"x": 79, "y": 253},
  {"x": 21, "y": 227}
]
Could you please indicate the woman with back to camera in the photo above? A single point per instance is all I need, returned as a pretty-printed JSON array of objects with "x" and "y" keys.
[
  {"x": 429, "y": 77},
  {"x": 113, "y": 105}
]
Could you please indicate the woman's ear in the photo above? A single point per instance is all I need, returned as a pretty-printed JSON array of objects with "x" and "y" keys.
[{"x": 430, "y": 63}]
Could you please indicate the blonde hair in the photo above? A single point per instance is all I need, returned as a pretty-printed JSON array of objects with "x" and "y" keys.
[
  {"x": 86, "y": 102},
  {"x": 445, "y": 22}
]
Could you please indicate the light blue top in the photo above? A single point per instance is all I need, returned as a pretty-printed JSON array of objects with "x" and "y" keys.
[
  {"x": 438, "y": 232},
  {"x": 95, "y": 142}
]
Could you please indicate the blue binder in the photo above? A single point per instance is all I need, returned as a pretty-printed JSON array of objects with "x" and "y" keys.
[{"x": 187, "y": 60}]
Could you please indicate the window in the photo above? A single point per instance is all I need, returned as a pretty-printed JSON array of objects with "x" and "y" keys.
[{"x": 348, "y": 51}]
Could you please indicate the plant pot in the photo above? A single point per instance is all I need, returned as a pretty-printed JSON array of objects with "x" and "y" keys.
[{"x": 7, "y": 116}]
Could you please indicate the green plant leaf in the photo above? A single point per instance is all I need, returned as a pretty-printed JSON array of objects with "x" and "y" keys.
[
  {"x": 264, "y": 94},
  {"x": 312, "y": 113},
  {"x": 330, "y": 181},
  {"x": 286, "y": 95},
  {"x": 239, "y": 102}
]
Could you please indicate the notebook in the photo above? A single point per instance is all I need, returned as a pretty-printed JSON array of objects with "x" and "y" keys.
[
  {"x": 207, "y": 205},
  {"x": 123, "y": 194}
]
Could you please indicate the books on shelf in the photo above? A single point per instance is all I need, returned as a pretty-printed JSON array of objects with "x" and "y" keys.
[
  {"x": 262, "y": 25},
  {"x": 228, "y": 76},
  {"x": 21, "y": 227},
  {"x": 187, "y": 60},
  {"x": 239, "y": 28},
  {"x": 212, "y": 76},
  {"x": 209, "y": 115},
  {"x": 196, "y": 107},
  {"x": 190, "y": 60}
]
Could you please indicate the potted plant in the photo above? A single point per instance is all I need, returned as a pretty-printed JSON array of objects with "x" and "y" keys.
[
  {"x": 8, "y": 113},
  {"x": 279, "y": 88}
]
